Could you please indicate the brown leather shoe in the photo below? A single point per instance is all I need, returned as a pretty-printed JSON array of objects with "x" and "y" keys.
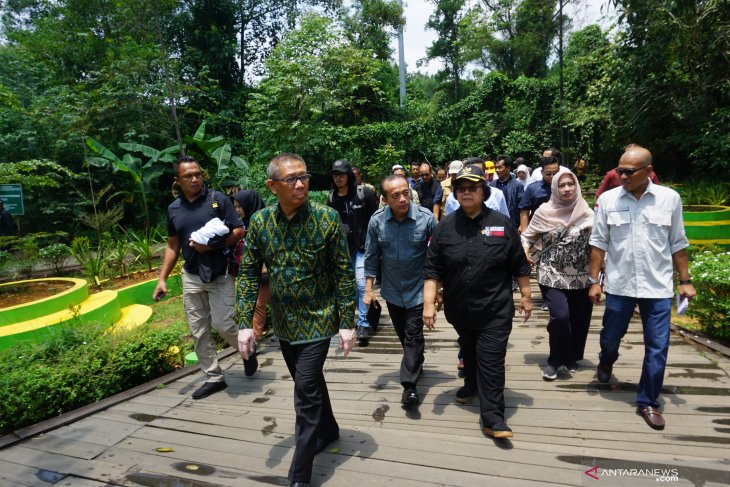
[{"x": 652, "y": 416}]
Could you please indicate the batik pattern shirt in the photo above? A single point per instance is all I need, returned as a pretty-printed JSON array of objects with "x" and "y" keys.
[{"x": 311, "y": 277}]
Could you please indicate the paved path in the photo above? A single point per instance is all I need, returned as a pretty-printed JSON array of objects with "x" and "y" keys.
[{"x": 243, "y": 436}]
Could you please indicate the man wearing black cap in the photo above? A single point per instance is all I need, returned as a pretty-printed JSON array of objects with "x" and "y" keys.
[
  {"x": 474, "y": 253},
  {"x": 355, "y": 204}
]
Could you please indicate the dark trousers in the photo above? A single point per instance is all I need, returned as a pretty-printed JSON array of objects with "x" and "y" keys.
[
  {"x": 408, "y": 324},
  {"x": 570, "y": 317},
  {"x": 314, "y": 417},
  {"x": 484, "y": 351}
]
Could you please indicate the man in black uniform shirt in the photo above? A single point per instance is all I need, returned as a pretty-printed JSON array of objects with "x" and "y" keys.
[
  {"x": 208, "y": 289},
  {"x": 474, "y": 253}
]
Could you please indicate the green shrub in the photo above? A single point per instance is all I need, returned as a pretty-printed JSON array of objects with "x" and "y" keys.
[
  {"x": 82, "y": 364},
  {"x": 55, "y": 255},
  {"x": 711, "y": 277}
]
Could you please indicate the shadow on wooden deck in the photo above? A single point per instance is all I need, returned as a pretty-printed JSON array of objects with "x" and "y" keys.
[{"x": 572, "y": 431}]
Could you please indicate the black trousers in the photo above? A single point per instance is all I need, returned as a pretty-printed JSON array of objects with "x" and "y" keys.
[
  {"x": 408, "y": 324},
  {"x": 484, "y": 351},
  {"x": 570, "y": 317},
  {"x": 314, "y": 417}
]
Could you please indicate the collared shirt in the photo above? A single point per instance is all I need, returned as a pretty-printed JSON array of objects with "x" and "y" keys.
[
  {"x": 512, "y": 190},
  {"x": 639, "y": 238},
  {"x": 535, "y": 195},
  {"x": 476, "y": 259},
  {"x": 311, "y": 278},
  {"x": 495, "y": 201},
  {"x": 430, "y": 193},
  {"x": 446, "y": 190},
  {"x": 184, "y": 217},
  {"x": 402, "y": 246}
]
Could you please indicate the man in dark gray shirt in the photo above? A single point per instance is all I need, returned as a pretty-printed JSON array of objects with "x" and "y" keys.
[{"x": 399, "y": 233}]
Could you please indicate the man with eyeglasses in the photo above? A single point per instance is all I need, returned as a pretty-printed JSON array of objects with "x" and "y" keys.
[
  {"x": 474, "y": 253},
  {"x": 399, "y": 234},
  {"x": 612, "y": 179},
  {"x": 208, "y": 289},
  {"x": 639, "y": 227},
  {"x": 537, "y": 193},
  {"x": 312, "y": 286},
  {"x": 355, "y": 204}
]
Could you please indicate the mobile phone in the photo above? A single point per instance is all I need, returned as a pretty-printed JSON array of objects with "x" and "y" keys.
[{"x": 159, "y": 295}]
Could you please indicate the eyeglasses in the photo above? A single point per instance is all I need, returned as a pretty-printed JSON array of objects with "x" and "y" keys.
[
  {"x": 292, "y": 180},
  {"x": 468, "y": 189},
  {"x": 191, "y": 176},
  {"x": 548, "y": 174},
  {"x": 629, "y": 172}
]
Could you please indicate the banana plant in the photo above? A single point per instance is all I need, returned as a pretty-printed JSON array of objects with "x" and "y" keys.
[
  {"x": 230, "y": 170},
  {"x": 144, "y": 174}
]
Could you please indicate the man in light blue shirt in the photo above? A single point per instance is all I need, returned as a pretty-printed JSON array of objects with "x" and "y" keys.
[
  {"x": 399, "y": 234},
  {"x": 639, "y": 226}
]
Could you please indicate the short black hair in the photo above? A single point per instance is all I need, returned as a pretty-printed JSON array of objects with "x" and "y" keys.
[
  {"x": 507, "y": 160},
  {"x": 182, "y": 159},
  {"x": 546, "y": 161}
]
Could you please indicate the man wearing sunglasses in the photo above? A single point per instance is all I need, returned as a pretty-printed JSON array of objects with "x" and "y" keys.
[
  {"x": 612, "y": 179},
  {"x": 639, "y": 228}
]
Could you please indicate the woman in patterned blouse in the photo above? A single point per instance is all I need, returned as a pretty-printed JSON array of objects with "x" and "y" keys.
[{"x": 559, "y": 232}]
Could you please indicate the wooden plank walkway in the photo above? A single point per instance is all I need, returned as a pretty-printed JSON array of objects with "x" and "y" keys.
[{"x": 243, "y": 436}]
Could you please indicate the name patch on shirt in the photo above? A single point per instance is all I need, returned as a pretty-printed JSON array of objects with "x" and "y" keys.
[{"x": 493, "y": 232}]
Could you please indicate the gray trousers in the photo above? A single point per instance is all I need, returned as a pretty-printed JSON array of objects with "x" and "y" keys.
[{"x": 206, "y": 305}]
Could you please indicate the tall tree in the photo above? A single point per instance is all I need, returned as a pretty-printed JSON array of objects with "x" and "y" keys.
[
  {"x": 511, "y": 36},
  {"x": 446, "y": 20},
  {"x": 263, "y": 23},
  {"x": 371, "y": 24}
]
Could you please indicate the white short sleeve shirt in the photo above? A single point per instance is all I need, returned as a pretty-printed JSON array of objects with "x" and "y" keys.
[{"x": 639, "y": 238}]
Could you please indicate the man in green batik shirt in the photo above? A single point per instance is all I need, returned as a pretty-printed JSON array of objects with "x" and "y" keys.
[{"x": 312, "y": 286}]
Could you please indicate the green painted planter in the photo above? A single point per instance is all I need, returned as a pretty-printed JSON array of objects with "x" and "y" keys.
[
  {"x": 42, "y": 307},
  {"x": 705, "y": 213},
  {"x": 707, "y": 225}
]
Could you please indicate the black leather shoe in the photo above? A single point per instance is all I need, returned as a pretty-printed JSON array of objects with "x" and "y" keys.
[
  {"x": 410, "y": 397},
  {"x": 251, "y": 365},
  {"x": 465, "y": 394},
  {"x": 299, "y": 484},
  {"x": 209, "y": 388},
  {"x": 363, "y": 336},
  {"x": 604, "y": 372},
  {"x": 498, "y": 430},
  {"x": 323, "y": 443}
]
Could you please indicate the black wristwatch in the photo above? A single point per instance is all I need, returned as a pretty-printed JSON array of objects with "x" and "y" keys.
[{"x": 682, "y": 282}]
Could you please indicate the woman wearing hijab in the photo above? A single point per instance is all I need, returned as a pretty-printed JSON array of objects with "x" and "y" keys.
[
  {"x": 246, "y": 203},
  {"x": 522, "y": 173},
  {"x": 559, "y": 231}
]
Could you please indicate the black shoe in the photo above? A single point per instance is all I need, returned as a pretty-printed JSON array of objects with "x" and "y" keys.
[
  {"x": 498, "y": 430},
  {"x": 604, "y": 372},
  {"x": 410, "y": 397},
  {"x": 363, "y": 336},
  {"x": 299, "y": 484},
  {"x": 251, "y": 365},
  {"x": 323, "y": 443},
  {"x": 209, "y": 388},
  {"x": 465, "y": 394}
]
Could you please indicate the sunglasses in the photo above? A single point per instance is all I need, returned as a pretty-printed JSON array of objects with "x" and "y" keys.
[
  {"x": 629, "y": 172},
  {"x": 467, "y": 189}
]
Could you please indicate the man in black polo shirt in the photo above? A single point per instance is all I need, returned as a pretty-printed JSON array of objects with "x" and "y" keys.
[
  {"x": 474, "y": 253},
  {"x": 208, "y": 289},
  {"x": 429, "y": 189}
]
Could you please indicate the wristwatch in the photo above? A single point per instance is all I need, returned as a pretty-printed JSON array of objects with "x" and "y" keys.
[
  {"x": 592, "y": 281},
  {"x": 682, "y": 282}
]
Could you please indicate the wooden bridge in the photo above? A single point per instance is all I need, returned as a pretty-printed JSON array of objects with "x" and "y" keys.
[{"x": 571, "y": 431}]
